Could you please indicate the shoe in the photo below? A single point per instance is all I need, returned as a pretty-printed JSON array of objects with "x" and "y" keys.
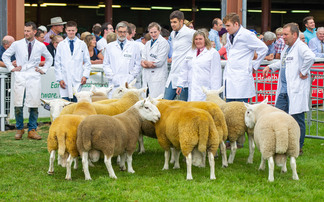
[
  {"x": 19, "y": 134},
  {"x": 33, "y": 135},
  {"x": 301, "y": 152}
]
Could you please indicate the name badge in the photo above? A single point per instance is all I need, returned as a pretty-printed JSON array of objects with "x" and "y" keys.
[
  {"x": 153, "y": 56},
  {"x": 126, "y": 55},
  {"x": 188, "y": 58},
  {"x": 289, "y": 58}
]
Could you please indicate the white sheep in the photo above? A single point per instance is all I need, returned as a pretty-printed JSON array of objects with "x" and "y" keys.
[
  {"x": 100, "y": 93},
  {"x": 185, "y": 128},
  {"x": 234, "y": 114},
  {"x": 276, "y": 134},
  {"x": 114, "y": 135},
  {"x": 56, "y": 106}
]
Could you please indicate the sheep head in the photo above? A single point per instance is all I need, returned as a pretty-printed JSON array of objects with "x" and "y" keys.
[
  {"x": 147, "y": 110},
  {"x": 84, "y": 96},
  {"x": 120, "y": 91},
  {"x": 213, "y": 95},
  {"x": 250, "y": 114},
  {"x": 101, "y": 90},
  {"x": 56, "y": 106}
]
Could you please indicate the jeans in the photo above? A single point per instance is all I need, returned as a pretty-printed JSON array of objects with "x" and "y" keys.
[
  {"x": 74, "y": 99},
  {"x": 170, "y": 93},
  {"x": 33, "y": 116},
  {"x": 283, "y": 104}
]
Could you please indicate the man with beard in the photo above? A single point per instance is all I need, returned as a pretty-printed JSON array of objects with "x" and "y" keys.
[{"x": 122, "y": 60}]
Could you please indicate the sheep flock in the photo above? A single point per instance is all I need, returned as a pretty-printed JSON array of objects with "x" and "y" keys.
[{"x": 98, "y": 127}]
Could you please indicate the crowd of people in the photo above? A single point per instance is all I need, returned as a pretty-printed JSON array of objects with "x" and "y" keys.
[{"x": 194, "y": 56}]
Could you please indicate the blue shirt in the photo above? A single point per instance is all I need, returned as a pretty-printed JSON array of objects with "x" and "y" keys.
[
  {"x": 2, "y": 50},
  {"x": 282, "y": 73},
  {"x": 171, "y": 50},
  {"x": 317, "y": 47},
  {"x": 309, "y": 35},
  {"x": 271, "y": 49},
  {"x": 213, "y": 36}
]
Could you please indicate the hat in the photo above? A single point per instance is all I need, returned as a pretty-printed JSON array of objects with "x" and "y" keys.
[
  {"x": 56, "y": 21},
  {"x": 43, "y": 28},
  {"x": 187, "y": 22}
]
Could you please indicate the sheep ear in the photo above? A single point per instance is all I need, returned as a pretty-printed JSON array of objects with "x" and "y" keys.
[
  {"x": 126, "y": 85},
  {"x": 204, "y": 89},
  {"x": 143, "y": 90},
  {"x": 45, "y": 101},
  {"x": 132, "y": 83},
  {"x": 220, "y": 90},
  {"x": 246, "y": 105},
  {"x": 265, "y": 101},
  {"x": 160, "y": 96},
  {"x": 93, "y": 88},
  {"x": 110, "y": 88},
  {"x": 68, "y": 103}
]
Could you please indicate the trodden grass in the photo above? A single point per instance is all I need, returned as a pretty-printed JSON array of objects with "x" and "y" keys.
[{"x": 24, "y": 165}]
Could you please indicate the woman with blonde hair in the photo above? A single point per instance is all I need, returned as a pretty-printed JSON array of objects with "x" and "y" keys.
[
  {"x": 95, "y": 56},
  {"x": 201, "y": 67}
]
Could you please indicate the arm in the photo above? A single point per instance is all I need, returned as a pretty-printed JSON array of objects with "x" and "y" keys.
[
  {"x": 137, "y": 68},
  {"x": 308, "y": 59},
  {"x": 107, "y": 64},
  {"x": 183, "y": 75},
  {"x": 48, "y": 59},
  {"x": 216, "y": 71},
  {"x": 6, "y": 57},
  {"x": 58, "y": 63},
  {"x": 86, "y": 64},
  {"x": 259, "y": 47},
  {"x": 162, "y": 54},
  {"x": 312, "y": 45},
  {"x": 217, "y": 42}
]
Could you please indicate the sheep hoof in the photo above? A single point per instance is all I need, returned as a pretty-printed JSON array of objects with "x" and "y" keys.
[
  {"x": 176, "y": 167},
  {"x": 123, "y": 168},
  {"x": 189, "y": 178},
  {"x": 249, "y": 161},
  {"x": 224, "y": 166},
  {"x": 113, "y": 177},
  {"x": 50, "y": 172},
  {"x": 271, "y": 179},
  {"x": 68, "y": 178},
  {"x": 88, "y": 178},
  {"x": 213, "y": 178},
  {"x": 165, "y": 168},
  {"x": 141, "y": 152},
  {"x": 283, "y": 171},
  {"x": 131, "y": 171}
]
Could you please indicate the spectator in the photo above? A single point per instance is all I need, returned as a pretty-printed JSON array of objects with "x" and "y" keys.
[
  {"x": 154, "y": 61},
  {"x": 72, "y": 63},
  {"x": 53, "y": 45},
  {"x": 57, "y": 26},
  {"x": 241, "y": 45},
  {"x": 217, "y": 26},
  {"x": 96, "y": 32},
  {"x": 181, "y": 44},
  {"x": 83, "y": 35},
  {"x": 6, "y": 43},
  {"x": 40, "y": 37},
  {"x": 310, "y": 31},
  {"x": 111, "y": 37},
  {"x": 316, "y": 44},
  {"x": 27, "y": 86},
  {"x": 201, "y": 67},
  {"x": 95, "y": 55},
  {"x": 294, "y": 77},
  {"x": 105, "y": 29},
  {"x": 189, "y": 24},
  {"x": 131, "y": 31},
  {"x": 269, "y": 39},
  {"x": 302, "y": 37},
  {"x": 43, "y": 28},
  {"x": 122, "y": 62},
  {"x": 279, "y": 44},
  {"x": 222, "y": 52},
  {"x": 166, "y": 34}
]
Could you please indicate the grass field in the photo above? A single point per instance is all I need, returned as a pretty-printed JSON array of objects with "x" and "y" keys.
[{"x": 24, "y": 165}]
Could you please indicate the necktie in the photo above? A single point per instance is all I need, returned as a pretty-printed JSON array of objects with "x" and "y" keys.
[
  {"x": 198, "y": 51},
  {"x": 71, "y": 46},
  {"x": 176, "y": 33},
  {"x": 152, "y": 42},
  {"x": 122, "y": 45},
  {"x": 231, "y": 38},
  {"x": 29, "y": 50},
  {"x": 322, "y": 51}
]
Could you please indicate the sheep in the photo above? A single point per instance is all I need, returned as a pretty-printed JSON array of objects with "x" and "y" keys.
[
  {"x": 185, "y": 128},
  {"x": 114, "y": 135},
  {"x": 234, "y": 114},
  {"x": 100, "y": 93},
  {"x": 56, "y": 106},
  {"x": 276, "y": 134}
]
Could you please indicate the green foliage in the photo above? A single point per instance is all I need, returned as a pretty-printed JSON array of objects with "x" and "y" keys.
[{"x": 24, "y": 165}]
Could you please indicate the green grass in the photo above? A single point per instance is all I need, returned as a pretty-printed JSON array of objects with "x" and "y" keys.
[{"x": 24, "y": 165}]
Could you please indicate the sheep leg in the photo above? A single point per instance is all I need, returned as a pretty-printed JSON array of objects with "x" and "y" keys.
[
  {"x": 233, "y": 152},
  {"x": 189, "y": 163},
  {"x": 90, "y": 163},
  {"x": 141, "y": 144},
  {"x": 59, "y": 160},
  {"x": 129, "y": 163},
  {"x": 222, "y": 147},
  {"x": 118, "y": 159},
  {"x": 51, "y": 163},
  {"x": 122, "y": 165},
  {"x": 284, "y": 167},
  {"x": 68, "y": 167},
  {"x": 271, "y": 169},
  {"x": 75, "y": 160},
  {"x": 251, "y": 148},
  {"x": 166, "y": 160},
  {"x": 109, "y": 167},
  {"x": 262, "y": 164},
  {"x": 176, "y": 159},
  {"x": 172, "y": 155},
  {"x": 294, "y": 168},
  {"x": 211, "y": 165},
  {"x": 85, "y": 165}
]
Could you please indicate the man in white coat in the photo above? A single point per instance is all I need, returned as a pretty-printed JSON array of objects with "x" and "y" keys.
[
  {"x": 294, "y": 77},
  {"x": 181, "y": 44},
  {"x": 122, "y": 60},
  {"x": 27, "y": 74},
  {"x": 154, "y": 61},
  {"x": 72, "y": 63},
  {"x": 241, "y": 45}
]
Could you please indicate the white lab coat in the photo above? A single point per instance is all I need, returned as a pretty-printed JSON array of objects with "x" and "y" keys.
[
  {"x": 155, "y": 78},
  {"x": 202, "y": 70},
  {"x": 101, "y": 44},
  {"x": 27, "y": 78},
  {"x": 71, "y": 68},
  {"x": 122, "y": 66},
  {"x": 181, "y": 44},
  {"x": 238, "y": 70},
  {"x": 298, "y": 60}
]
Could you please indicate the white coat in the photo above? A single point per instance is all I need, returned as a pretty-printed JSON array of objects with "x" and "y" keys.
[
  {"x": 155, "y": 78},
  {"x": 202, "y": 70},
  {"x": 298, "y": 60},
  {"x": 27, "y": 78},
  {"x": 71, "y": 68},
  {"x": 238, "y": 70},
  {"x": 122, "y": 66},
  {"x": 181, "y": 44}
]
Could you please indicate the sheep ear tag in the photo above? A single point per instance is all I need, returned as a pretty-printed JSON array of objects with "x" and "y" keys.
[{"x": 47, "y": 106}]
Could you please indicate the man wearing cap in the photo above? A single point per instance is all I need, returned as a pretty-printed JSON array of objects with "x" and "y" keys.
[{"x": 57, "y": 27}]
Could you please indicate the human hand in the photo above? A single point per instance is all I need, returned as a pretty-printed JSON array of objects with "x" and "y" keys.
[
  {"x": 14, "y": 63},
  {"x": 266, "y": 71},
  {"x": 302, "y": 76},
  {"x": 179, "y": 89},
  {"x": 16, "y": 69},
  {"x": 62, "y": 84},
  {"x": 83, "y": 80},
  {"x": 39, "y": 70}
]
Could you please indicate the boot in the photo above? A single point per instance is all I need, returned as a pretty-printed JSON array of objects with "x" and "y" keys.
[{"x": 33, "y": 135}]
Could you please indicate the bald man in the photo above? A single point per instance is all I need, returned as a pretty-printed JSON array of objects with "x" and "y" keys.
[{"x": 6, "y": 43}]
